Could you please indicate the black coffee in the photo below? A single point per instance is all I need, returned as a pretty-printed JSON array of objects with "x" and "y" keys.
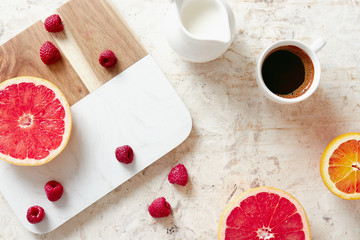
[{"x": 288, "y": 71}]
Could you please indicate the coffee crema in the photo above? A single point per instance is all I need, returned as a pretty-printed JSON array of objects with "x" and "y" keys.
[{"x": 288, "y": 71}]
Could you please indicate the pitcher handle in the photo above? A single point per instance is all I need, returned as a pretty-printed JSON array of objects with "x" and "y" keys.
[{"x": 318, "y": 44}]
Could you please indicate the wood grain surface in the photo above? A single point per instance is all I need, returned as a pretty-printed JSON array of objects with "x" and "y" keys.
[
  {"x": 90, "y": 26},
  {"x": 20, "y": 57},
  {"x": 95, "y": 27}
]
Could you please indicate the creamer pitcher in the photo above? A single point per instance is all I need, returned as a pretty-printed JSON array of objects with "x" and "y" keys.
[{"x": 200, "y": 30}]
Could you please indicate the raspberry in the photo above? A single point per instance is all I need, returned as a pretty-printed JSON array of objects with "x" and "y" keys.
[
  {"x": 178, "y": 175},
  {"x": 49, "y": 54},
  {"x": 35, "y": 214},
  {"x": 107, "y": 58},
  {"x": 159, "y": 208},
  {"x": 53, "y": 23},
  {"x": 124, "y": 154},
  {"x": 53, "y": 190}
]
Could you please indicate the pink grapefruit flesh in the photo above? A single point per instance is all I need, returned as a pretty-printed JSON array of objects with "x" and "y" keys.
[
  {"x": 264, "y": 213},
  {"x": 35, "y": 121}
]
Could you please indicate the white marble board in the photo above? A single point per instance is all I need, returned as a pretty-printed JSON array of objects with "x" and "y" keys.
[{"x": 138, "y": 107}]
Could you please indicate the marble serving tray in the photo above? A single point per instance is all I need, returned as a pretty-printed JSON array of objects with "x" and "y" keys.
[{"x": 138, "y": 107}]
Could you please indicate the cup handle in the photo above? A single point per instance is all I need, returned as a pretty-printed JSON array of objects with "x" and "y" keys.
[{"x": 318, "y": 44}]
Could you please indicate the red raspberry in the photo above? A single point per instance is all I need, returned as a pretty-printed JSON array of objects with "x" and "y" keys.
[
  {"x": 53, "y": 23},
  {"x": 159, "y": 208},
  {"x": 35, "y": 214},
  {"x": 178, "y": 175},
  {"x": 107, "y": 58},
  {"x": 124, "y": 154},
  {"x": 53, "y": 190},
  {"x": 49, "y": 54}
]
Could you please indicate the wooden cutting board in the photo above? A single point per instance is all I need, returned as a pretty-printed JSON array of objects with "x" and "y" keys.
[
  {"x": 132, "y": 103},
  {"x": 90, "y": 26}
]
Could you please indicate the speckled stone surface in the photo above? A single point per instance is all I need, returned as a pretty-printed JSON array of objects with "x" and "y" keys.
[{"x": 239, "y": 138}]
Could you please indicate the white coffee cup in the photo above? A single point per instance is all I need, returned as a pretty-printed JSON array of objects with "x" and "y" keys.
[{"x": 311, "y": 52}]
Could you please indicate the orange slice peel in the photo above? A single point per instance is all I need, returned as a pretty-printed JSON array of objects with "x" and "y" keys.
[{"x": 340, "y": 166}]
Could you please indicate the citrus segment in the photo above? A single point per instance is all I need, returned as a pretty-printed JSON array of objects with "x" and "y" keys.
[
  {"x": 233, "y": 233},
  {"x": 283, "y": 211},
  {"x": 252, "y": 211},
  {"x": 357, "y": 186},
  {"x": 291, "y": 224},
  {"x": 340, "y": 166},
  {"x": 267, "y": 203},
  {"x": 291, "y": 236},
  {"x": 35, "y": 121},
  {"x": 346, "y": 154},
  {"x": 238, "y": 219},
  {"x": 337, "y": 173},
  {"x": 348, "y": 183},
  {"x": 263, "y": 214}
]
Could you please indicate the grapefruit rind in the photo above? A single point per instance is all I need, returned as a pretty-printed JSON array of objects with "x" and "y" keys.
[
  {"x": 254, "y": 191},
  {"x": 67, "y": 119},
  {"x": 324, "y": 165}
]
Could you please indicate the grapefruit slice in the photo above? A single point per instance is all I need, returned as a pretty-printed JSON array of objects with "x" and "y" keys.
[
  {"x": 264, "y": 213},
  {"x": 340, "y": 166},
  {"x": 35, "y": 121}
]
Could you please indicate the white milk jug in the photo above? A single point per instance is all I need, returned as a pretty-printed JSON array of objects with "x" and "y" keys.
[{"x": 200, "y": 30}]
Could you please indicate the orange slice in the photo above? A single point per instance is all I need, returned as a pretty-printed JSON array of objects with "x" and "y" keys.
[
  {"x": 340, "y": 166},
  {"x": 35, "y": 121},
  {"x": 264, "y": 213}
]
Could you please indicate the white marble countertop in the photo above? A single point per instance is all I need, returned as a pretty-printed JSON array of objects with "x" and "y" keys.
[{"x": 239, "y": 138}]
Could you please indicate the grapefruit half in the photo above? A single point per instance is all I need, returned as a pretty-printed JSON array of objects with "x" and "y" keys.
[
  {"x": 340, "y": 166},
  {"x": 35, "y": 121},
  {"x": 264, "y": 213}
]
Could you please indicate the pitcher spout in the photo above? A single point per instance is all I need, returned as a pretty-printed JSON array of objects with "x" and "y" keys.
[{"x": 225, "y": 37}]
